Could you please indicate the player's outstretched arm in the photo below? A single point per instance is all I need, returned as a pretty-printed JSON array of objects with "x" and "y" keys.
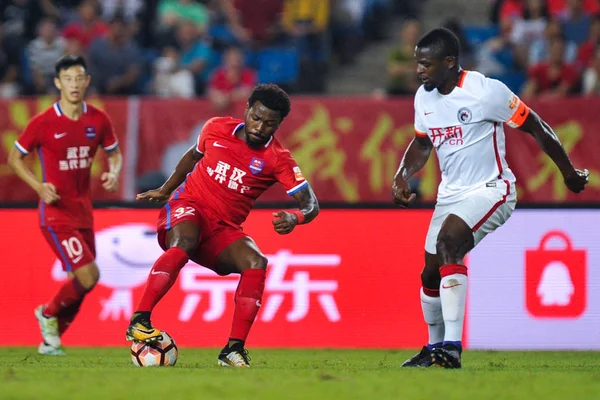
[
  {"x": 46, "y": 190},
  {"x": 285, "y": 222},
  {"x": 414, "y": 159},
  {"x": 184, "y": 166},
  {"x": 548, "y": 141}
]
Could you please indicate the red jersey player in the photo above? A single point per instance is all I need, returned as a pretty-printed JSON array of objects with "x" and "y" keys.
[
  {"x": 66, "y": 137},
  {"x": 217, "y": 182}
]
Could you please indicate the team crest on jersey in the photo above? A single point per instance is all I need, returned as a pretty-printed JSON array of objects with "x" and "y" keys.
[
  {"x": 464, "y": 115},
  {"x": 90, "y": 132},
  {"x": 256, "y": 165}
]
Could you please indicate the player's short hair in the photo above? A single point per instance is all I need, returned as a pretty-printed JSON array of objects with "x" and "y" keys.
[
  {"x": 68, "y": 61},
  {"x": 442, "y": 41},
  {"x": 271, "y": 96}
]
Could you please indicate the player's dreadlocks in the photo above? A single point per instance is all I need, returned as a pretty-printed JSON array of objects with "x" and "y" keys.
[
  {"x": 442, "y": 41},
  {"x": 271, "y": 96}
]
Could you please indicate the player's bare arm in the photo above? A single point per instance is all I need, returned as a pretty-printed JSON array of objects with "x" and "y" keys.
[
  {"x": 184, "y": 166},
  {"x": 110, "y": 179},
  {"x": 46, "y": 190},
  {"x": 285, "y": 222},
  {"x": 414, "y": 159},
  {"x": 548, "y": 141}
]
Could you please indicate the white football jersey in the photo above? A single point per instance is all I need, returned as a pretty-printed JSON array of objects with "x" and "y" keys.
[{"x": 466, "y": 129}]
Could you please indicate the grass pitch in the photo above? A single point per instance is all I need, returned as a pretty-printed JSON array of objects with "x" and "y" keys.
[{"x": 108, "y": 373}]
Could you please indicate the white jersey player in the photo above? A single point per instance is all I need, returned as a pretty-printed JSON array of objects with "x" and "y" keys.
[{"x": 461, "y": 114}]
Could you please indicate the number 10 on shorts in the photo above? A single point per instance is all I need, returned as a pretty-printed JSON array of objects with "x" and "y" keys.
[{"x": 73, "y": 248}]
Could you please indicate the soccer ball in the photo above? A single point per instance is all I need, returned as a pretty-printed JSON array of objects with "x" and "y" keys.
[{"x": 156, "y": 354}]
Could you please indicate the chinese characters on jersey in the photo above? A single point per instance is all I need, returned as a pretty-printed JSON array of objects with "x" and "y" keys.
[{"x": 234, "y": 180}]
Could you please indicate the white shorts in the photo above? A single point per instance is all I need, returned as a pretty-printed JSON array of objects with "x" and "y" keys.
[{"x": 483, "y": 210}]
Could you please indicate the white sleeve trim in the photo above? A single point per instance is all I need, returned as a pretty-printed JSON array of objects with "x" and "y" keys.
[
  {"x": 112, "y": 146},
  {"x": 297, "y": 188},
  {"x": 21, "y": 148}
]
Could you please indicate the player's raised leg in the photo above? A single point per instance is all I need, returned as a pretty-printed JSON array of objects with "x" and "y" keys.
[
  {"x": 454, "y": 241},
  {"x": 77, "y": 254},
  {"x": 182, "y": 241},
  {"x": 243, "y": 256},
  {"x": 432, "y": 312}
]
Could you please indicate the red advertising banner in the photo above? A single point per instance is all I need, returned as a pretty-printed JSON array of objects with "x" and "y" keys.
[
  {"x": 348, "y": 148},
  {"x": 330, "y": 283}
]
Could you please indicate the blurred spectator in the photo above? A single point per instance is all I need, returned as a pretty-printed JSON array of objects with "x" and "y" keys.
[
  {"x": 346, "y": 28},
  {"x": 42, "y": 53},
  {"x": 540, "y": 49},
  {"x": 588, "y": 49},
  {"x": 302, "y": 18},
  {"x": 171, "y": 12},
  {"x": 529, "y": 28},
  {"x": 9, "y": 67},
  {"x": 115, "y": 61},
  {"x": 170, "y": 80},
  {"x": 306, "y": 21},
  {"x": 195, "y": 54},
  {"x": 89, "y": 26},
  {"x": 21, "y": 17},
  {"x": 554, "y": 78},
  {"x": 128, "y": 9},
  {"x": 255, "y": 22},
  {"x": 591, "y": 77},
  {"x": 557, "y": 7},
  {"x": 532, "y": 24},
  {"x": 511, "y": 9},
  {"x": 231, "y": 82},
  {"x": 508, "y": 10},
  {"x": 467, "y": 58},
  {"x": 576, "y": 22},
  {"x": 402, "y": 76},
  {"x": 497, "y": 56}
]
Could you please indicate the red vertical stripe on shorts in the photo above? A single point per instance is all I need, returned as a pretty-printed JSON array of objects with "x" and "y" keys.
[
  {"x": 494, "y": 208},
  {"x": 497, "y": 152}
]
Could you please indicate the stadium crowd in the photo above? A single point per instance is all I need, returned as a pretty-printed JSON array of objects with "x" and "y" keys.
[
  {"x": 218, "y": 48},
  {"x": 541, "y": 48}
]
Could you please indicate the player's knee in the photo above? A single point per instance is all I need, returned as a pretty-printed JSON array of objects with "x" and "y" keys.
[
  {"x": 88, "y": 276},
  {"x": 257, "y": 261},
  {"x": 186, "y": 243}
]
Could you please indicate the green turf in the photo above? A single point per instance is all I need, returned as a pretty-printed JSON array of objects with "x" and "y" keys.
[{"x": 107, "y": 373}]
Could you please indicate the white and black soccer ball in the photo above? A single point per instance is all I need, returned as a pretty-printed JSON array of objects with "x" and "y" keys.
[{"x": 161, "y": 353}]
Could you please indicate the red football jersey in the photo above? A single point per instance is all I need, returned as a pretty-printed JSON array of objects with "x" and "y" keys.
[
  {"x": 232, "y": 175},
  {"x": 66, "y": 149}
]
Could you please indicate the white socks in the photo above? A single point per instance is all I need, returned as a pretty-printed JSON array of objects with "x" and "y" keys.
[
  {"x": 453, "y": 296},
  {"x": 432, "y": 313}
]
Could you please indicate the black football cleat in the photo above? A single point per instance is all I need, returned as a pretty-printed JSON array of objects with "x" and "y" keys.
[
  {"x": 447, "y": 356},
  {"x": 421, "y": 359}
]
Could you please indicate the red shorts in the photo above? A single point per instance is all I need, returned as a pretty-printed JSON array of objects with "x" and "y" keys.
[
  {"x": 73, "y": 247},
  {"x": 215, "y": 235}
]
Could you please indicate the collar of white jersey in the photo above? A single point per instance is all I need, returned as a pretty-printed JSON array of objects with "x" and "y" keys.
[
  {"x": 58, "y": 110},
  {"x": 241, "y": 125}
]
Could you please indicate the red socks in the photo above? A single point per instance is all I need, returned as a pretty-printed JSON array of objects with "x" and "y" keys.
[
  {"x": 70, "y": 292},
  {"x": 67, "y": 315},
  {"x": 247, "y": 302},
  {"x": 162, "y": 276}
]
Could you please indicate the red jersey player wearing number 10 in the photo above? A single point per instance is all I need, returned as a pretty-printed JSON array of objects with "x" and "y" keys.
[
  {"x": 217, "y": 182},
  {"x": 66, "y": 137}
]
